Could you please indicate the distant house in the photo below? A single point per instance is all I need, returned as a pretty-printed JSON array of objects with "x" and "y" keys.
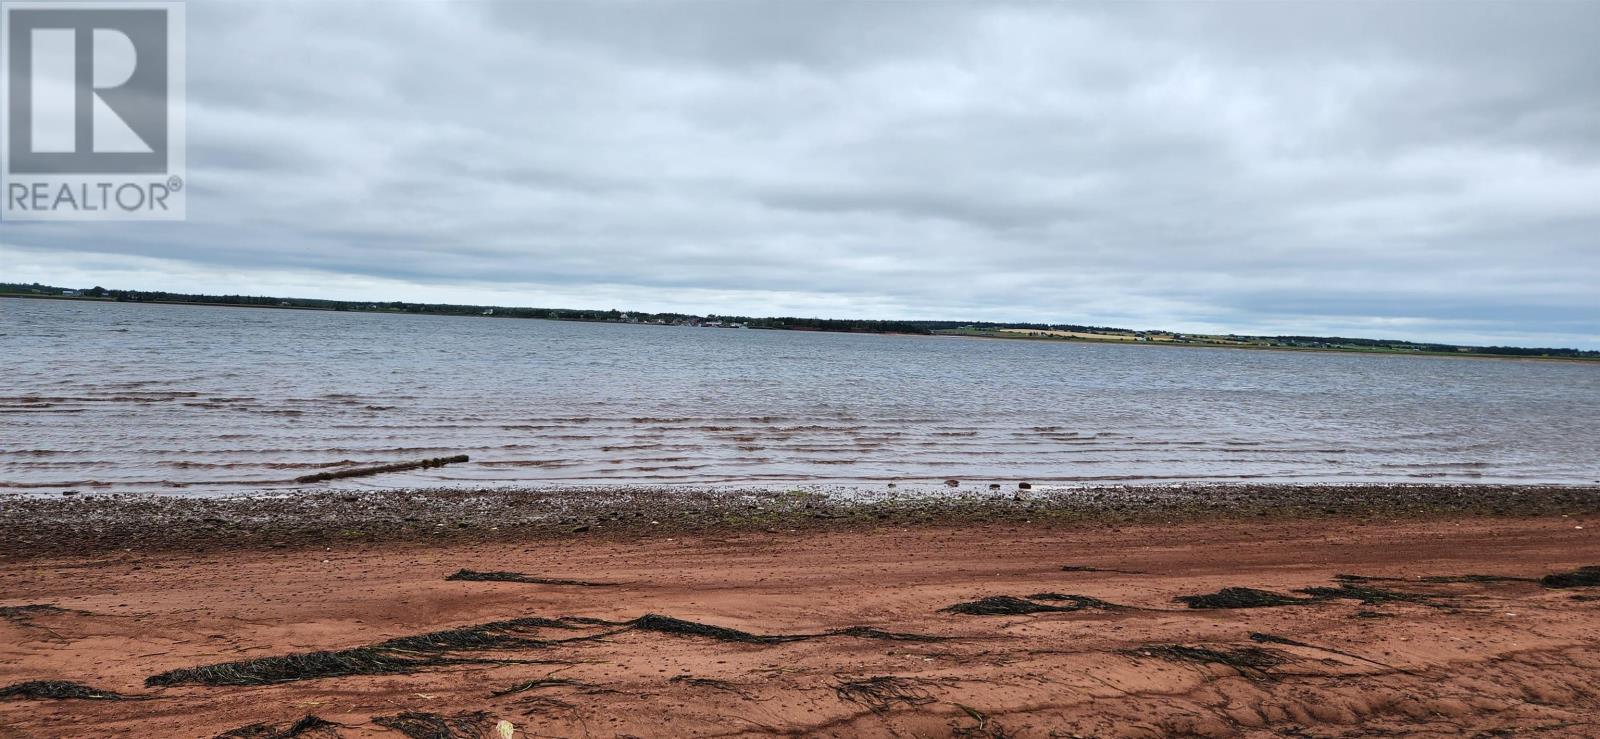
[
  {"x": 72, "y": 293},
  {"x": 488, "y": 311}
]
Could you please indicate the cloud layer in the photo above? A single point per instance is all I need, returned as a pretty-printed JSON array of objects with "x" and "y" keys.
[{"x": 1415, "y": 170}]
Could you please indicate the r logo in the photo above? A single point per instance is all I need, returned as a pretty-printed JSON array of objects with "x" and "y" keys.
[
  {"x": 92, "y": 99},
  {"x": 88, "y": 91}
]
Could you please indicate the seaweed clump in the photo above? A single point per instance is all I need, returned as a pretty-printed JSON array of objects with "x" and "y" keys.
[
  {"x": 419, "y": 725},
  {"x": 475, "y": 576},
  {"x": 1582, "y": 577},
  {"x": 407, "y": 654},
  {"x": 1007, "y": 605},
  {"x": 303, "y": 666},
  {"x": 1240, "y": 598},
  {"x": 1079, "y": 602},
  {"x": 1349, "y": 588},
  {"x": 879, "y": 694},
  {"x": 868, "y": 632},
  {"x": 543, "y": 682},
  {"x": 671, "y": 625},
  {"x": 1370, "y": 595},
  {"x": 56, "y": 690},
  {"x": 309, "y": 724},
  {"x": 493, "y": 635},
  {"x": 23, "y": 615},
  {"x": 396, "y": 656},
  {"x": 1087, "y": 568},
  {"x": 1251, "y": 662}
]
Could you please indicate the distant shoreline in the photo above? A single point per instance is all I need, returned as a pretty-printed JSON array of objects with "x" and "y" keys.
[
  {"x": 940, "y": 333},
  {"x": 1260, "y": 348}
]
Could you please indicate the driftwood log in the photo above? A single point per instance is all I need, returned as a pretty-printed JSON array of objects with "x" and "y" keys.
[{"x": 382, "y": 468}]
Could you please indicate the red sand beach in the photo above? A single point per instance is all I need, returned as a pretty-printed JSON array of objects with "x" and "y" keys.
[{"x": 1454, "y": 656}]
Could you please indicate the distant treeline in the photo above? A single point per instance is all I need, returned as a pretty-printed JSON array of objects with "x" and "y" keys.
[
  {"x": 1510, "y": 351},
  {"x": 559, "y": 314},
  {"x": 787, "y": 323}
]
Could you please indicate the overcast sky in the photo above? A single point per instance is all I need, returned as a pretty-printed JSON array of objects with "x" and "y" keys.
[{"x": 1409, "y": 170}]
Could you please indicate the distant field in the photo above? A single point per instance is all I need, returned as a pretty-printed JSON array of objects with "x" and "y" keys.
[{"x": 1072, "y": 334}]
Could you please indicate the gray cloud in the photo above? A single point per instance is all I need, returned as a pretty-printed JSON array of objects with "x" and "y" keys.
[{"x": 1418, "y": 170}]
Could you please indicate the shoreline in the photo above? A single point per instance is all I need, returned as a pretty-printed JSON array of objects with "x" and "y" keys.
[
  {"x": 1307, "y": 349},
  {"x": 934, "y": 335},
  {"x": 47, "y": 526}
]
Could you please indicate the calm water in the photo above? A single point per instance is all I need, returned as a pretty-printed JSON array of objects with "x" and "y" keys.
[{"x": 207, "y": 399}]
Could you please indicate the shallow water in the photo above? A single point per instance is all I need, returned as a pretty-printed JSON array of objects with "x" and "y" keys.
[{"x": 193, "y": 398}]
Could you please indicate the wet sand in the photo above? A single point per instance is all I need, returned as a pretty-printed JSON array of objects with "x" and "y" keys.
[{"x": 1466, "y": 657}]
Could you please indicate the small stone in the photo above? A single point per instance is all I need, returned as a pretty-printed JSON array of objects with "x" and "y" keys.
[
  {"x": 69, "y": 492},
  {"x": 580, "y": 529},
  {"x": 1024, "y": 486},
  {"x": 952, "y": 483}
]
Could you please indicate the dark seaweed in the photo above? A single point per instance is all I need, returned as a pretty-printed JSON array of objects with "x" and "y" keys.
[
  {"x": 56, "y": 690},
  {"x": 1251, "y": 662},
  {"x": 670, "y": 625},
  {"x": 1240, "y": 598},
  {"x": 1371, "y": 595},
  {"x": 1006, "y": 605},
  {"x": 1079, "y": 602},
  {"x": 1583, "y": 577},
  {"x": 396, "y": 656},
  {"x": 419, "y": 725},
  {"x": 474, "y": 576},
  {"x": 879, "y": 694},
  {"x": 543, "y": 682},
  {"x": 306, "y": 725}
]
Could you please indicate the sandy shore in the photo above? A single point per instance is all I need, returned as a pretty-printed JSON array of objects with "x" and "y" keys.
[{"x": 1480, "y": 656}]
